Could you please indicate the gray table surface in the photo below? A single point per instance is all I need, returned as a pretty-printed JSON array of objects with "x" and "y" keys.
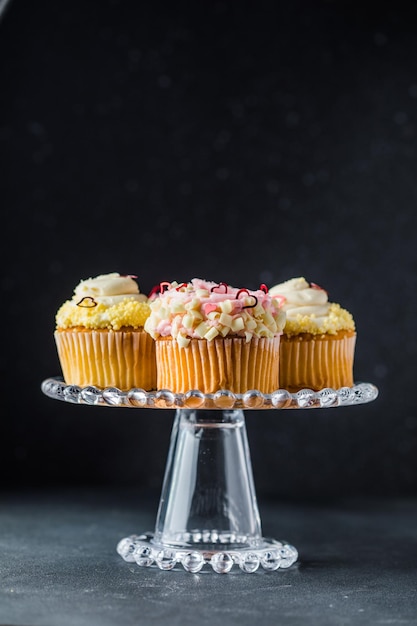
[{"x": 59, "y": 566}]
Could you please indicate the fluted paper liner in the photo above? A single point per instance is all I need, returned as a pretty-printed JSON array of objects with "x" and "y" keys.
[
  {"x": 103, "y": 358},
  {"x": 310, "y": 362},
  {"x": 231, "y": 363}
]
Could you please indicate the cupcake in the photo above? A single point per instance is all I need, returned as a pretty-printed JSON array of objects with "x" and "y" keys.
[
  {"x": 318, "y": 343},
  {"x": 100, "y": 337},
  {"x": 210, "y": 336}
]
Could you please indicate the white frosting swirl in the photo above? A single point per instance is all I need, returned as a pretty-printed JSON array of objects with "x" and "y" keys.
[
  {"x": 108, "y": 289},
  {"x": 300, "y": 298},
  {"x": 308, "y": 310}
]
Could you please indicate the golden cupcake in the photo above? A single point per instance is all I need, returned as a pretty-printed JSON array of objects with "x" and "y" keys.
[
  {"x": 318, "y": 343},
  {"x": 100, "y": 335},
  {"x": 210, "y": 336}
]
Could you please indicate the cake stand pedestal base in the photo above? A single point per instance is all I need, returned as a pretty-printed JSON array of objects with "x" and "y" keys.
[{"x": 208, "y": 512}]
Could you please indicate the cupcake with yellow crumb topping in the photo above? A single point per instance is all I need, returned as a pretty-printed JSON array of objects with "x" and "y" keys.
[
  {"x": 100, "y": 335},
  {"x": 318, "y": 343},
  {"x": 210, "y": 336}
]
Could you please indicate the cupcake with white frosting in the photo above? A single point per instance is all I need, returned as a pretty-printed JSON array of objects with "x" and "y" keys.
[
  {"x": 100, "y": 335},
  {"x": 318, "y": 343},
  {"x": 211, "y": 336}
]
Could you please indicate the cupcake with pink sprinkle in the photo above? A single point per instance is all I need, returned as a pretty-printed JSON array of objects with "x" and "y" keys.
[{"x": 211, "y": 336}]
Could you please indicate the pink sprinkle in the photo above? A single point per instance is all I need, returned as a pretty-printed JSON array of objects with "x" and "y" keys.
[
  {"x": 217, "y": 288},
  {"x": 209, "y": 308},
  {"x": 315, "y": 286}
]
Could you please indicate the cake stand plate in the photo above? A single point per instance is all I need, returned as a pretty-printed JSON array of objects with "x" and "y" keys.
[{"x": 208, "y": 514}]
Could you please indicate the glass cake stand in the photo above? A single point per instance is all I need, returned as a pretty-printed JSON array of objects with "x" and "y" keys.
[{"x": 208, "y": 514}]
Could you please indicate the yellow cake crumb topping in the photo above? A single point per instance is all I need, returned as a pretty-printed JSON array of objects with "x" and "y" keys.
[
  {"x": 336, "y": 319},
  {"x": 128, "y": 312}
]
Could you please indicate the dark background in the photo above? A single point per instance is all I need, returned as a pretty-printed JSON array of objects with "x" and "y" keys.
[{"x": 243, "y": 142}]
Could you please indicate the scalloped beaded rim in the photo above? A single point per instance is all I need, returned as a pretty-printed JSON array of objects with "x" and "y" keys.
[
  {"x": 360, "y": 393},
  {"x": 268, "y": 554}
]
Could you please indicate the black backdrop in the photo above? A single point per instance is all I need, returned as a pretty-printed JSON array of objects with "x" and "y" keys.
[{"x": 243, "y": 142}]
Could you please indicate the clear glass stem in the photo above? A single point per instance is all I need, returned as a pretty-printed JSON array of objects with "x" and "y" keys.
[{"x": 208, "y": 495}]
